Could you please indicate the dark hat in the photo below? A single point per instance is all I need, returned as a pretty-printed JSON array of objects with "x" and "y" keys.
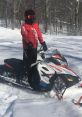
[{"x": 29, "y": 16}]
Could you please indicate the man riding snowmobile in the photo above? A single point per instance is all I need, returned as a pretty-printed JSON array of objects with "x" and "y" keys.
[{"x": 31, "y": 33}]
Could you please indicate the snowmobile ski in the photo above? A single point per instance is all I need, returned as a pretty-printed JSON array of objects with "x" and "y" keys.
[{"x": 11, "y": 82}]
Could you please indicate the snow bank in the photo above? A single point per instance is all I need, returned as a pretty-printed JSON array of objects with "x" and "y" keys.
[{"x": 8, "y": 34}]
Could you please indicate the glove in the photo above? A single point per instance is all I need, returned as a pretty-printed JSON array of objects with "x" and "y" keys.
[{"x": 44, "y": 46}]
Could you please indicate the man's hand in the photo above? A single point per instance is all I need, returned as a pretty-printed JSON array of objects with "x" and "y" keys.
[{"x": 44, "y": 46}]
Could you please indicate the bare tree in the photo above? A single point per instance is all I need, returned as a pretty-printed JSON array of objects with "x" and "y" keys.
[{"x": 56, "y": 13}]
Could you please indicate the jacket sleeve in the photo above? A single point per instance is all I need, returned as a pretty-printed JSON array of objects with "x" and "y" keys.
[
  {"x": 24, "y": 33},
  {"x": 40, "y": 37}
]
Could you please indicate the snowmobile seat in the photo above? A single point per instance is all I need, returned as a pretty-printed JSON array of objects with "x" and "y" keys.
[{"x": 15, "y": 64}]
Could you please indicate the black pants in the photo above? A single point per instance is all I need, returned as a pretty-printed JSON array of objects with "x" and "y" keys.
[{"x": 29, "y": 57}]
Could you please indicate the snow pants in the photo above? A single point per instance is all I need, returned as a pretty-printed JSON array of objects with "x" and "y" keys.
[{"x": 29, "y": 57}]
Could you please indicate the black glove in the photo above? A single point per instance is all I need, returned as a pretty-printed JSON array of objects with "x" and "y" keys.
[{"x": 44, "y": 46}]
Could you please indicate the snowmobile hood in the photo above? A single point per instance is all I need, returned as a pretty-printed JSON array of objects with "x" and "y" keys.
[{"x": 62, "y": 69}]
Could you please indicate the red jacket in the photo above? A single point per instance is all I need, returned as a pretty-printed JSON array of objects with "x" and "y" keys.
[{"x": 31, "y": 33}]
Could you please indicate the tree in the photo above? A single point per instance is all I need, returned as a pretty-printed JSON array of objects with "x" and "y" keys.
[{"x": 56, "y": 13}]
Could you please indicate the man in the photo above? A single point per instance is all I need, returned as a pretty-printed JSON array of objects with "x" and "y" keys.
[{"x": 31, "y": 33}]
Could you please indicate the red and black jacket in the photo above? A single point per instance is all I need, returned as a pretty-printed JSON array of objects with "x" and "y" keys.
[{"x": 31, "y": 34}]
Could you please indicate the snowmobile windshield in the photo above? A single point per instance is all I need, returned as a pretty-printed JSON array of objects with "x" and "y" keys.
[{"x": 51, "y": 53}]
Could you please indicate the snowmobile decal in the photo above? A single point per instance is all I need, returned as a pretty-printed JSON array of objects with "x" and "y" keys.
[{"x": 63, "y": 70}]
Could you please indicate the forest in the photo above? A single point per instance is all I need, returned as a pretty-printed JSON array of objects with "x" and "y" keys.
[{"x": 54, "y": 16}]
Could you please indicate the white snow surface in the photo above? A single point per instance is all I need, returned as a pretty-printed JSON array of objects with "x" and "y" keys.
[{"x": 16, "y": 102}]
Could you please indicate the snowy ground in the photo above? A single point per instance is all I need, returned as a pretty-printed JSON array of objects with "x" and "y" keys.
[{"x": 19, "y": 103}]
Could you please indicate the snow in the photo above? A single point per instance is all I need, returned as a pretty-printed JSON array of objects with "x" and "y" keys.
[{"x": 16, "y": 102}]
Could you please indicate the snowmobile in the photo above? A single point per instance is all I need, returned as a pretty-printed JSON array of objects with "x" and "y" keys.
[{"x": 53, "y": 71}]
